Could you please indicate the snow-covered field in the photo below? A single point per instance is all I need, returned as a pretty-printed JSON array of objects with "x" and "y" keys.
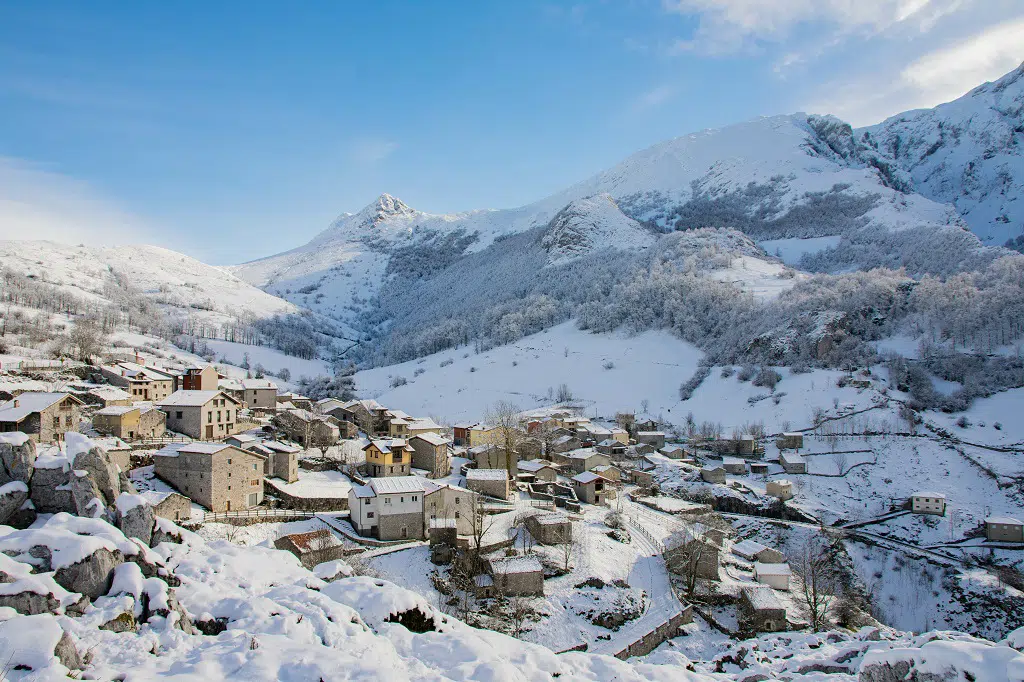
[
  {"x": 791, "y": 250},
  {"x": 272, "y": 360},
  {"x": 648, "y": 366}
]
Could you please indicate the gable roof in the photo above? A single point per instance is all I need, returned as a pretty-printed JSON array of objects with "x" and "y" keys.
[
  {"x": 431, "y": 438},
  {"x": 388, "y": 445},
  {"x": 533, "y": 465},
  {"x": 587, "y": 477},
  {"x": 192, "y": 398},
  {"x": 762, "y": 598},
  {"x": 748, "y": 548},
  {"x": 258, "y": 384},
  {"x": 397, "y": 484},
  {"x": 486, "y": 475},
  {"x": 30, "y": 402},
  {"x": 115, "y": 410}
]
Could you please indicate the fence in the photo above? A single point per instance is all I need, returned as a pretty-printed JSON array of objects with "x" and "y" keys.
[
  {"x": 268, "y": 514},
  {"x": 658, "y": 544}
]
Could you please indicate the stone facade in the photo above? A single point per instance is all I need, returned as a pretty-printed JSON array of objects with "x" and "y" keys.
[
  {"x": 760, "y": 611},
  {"x": 171, "y": 506},
  {"x": 130, "y": 423},
  {"x": 550, "y": 529},
  {"x": 489, "y": 482},
  {"x": 448, "y": 502},
  {"x": 430, "y": 453},
  {"x": 219, "y": 477},
  {"x": 43, "y": 417},
  {"x": 400, "y": 527},
  {"x": 517, "y": 576},
  {"x": 203, "y": 415}
]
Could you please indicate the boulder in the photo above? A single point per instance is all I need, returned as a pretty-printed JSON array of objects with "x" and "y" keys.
[
  {"x": 29, "y": 603},
  {"x": 67, "y": 653},
  {"x": 123, "y": 622},
  {"x": 24, "y": 517},
  {"x": 17, "y": 458},
  {"x": 942, "y": 661},
  {"x": 87, "y": 497},
  {"x": 134, "y": 517},
  {"x": 92, "y": 575},
  {"x": 165, "y": 531},
  {"x": 103, "y": 472},
  {"x": 12, "y": 495},
  {"x": 50, "y": 491}
]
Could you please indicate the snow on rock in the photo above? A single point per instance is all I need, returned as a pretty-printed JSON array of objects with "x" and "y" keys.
[
  {"x": 332, "y": 570},
  {"x": 590, "y": 225},
  {"x": 944, "y": 660},
  {"x": 37, "y": 643}
]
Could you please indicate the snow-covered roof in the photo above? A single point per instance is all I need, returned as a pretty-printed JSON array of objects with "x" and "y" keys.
[
  {"x": 115, "y": 410},
  {"x": 388, "y": 444},
  {"x": 671, "y": 447},
  {"x": 772, "y": 569},
  {"x": 929, "y": 493},
  {"x": 135, "y": 372},
  {"x": 399, "y": 414},
  {"x": 532, "y": 465},
  {"x": 650, "y": 433},
  {"x": 587, "y": 477},
  {"x": 110, "y": 393},
  {"x": 486, "y": 475},
  {"x": 762, "y": 597},
  {"x": 431, "y": 438},
  {"x": 610, "y": 443},
  {"x": 602, "y": 468},
  {"x": 423, "y": 424},
  {"x": 792, "y": 457},
  {"x": 202, "y": 448},
  {"x": 1004, "y": 521},
  {"x": 598, "y": 430},
  {"x": 732, "y": 461},
  {"x": 363, "y": 491},
  {"x": 30, "y": 402},
  {"x": 258, "y": 385},
  {"x": 278, "y": 446},
  {"x": 550, "y": 519},
  {"x": 397, "y": 484},
  {"x": 748, "y": 549},
  {"x": 516, "y": 564},
  {"x": 243, "y": 438},
  {"x": 398, "y": 421},
  {"x": 191, "y": 398}
]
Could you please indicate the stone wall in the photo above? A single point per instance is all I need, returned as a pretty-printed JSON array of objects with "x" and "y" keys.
[
  {"x": 312, "y": 504},
  {"x": 389, "y": 526},
  {"x": 658, "y": 636}
]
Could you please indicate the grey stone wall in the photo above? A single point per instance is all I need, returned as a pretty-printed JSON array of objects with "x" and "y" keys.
[{"x": 389, "y": 526}]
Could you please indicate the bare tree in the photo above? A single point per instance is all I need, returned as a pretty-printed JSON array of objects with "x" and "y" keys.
[
  {"x": 504, "y": 418},
  {"x": 86, "y": 339},
  {"x": 840, "y": 460},
  {"x": 482, "y": 524},
  {"x": 819, "y": 582},
  {"x": 569, "y": 544}
]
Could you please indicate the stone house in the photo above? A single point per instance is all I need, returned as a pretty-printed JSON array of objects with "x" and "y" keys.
[
  {"x": 308, "y": 428},
  {"x": 754, "y": 551},
  {"x": 793, "y": 440},
  {"x": 760, "y": 610},
  {"x": 712, "y": 474},
  {"x": 430, "y": 453},
  {"x": 735, "y": 466},
  {"x": 927, "y": 502},
  {"x": 445, "y": 501},
  {"x": 1004, "y": 529},
  {"x": 491, "y": 456},
  {"x": 644, "y": 479},
  {"x": 481, "y": 434},
  {"x": 550, "y": 529},
  {"x": 130, "y": 423},
  {"x": 313, "y": 547},
  {"x": 259, "y": 394},
  {"x": 279, "y": 459},
  {"x": 107, "y": 396},
  {"x": 563, "y": 443},
  {"x": 620, "y": 435},
  {"x": 489, "y": 482},
  {"x": 540, "y": 469},
  {"x": 673, "y": 451},
  {"x": 198, "y": 379},
  {"x": 610, "y": 473},
  {"x": 388, "y": 457},
  {"x": 43, "y": 417},
  {"x": 611, "y": 447},
  {"x": 388, "y": 508},
  {"x": 758, "y": 468},
  {"x": 203, "y": 415},
  {"x": 684, "y": 555},
  {"x": 218, "y": 476},
  {"x": 775, "y": 576},
  {"x": 418, "y": 425},
  {"x": 792, "y": 463},
  {"x": 143, "y": 383},
  {"x": 460, "y": 434},
  {"x": 579, "y": 461},
  {"x": 656, "y": 439},
  {"x": 780, "y": 488},
  {"x": 591, "y": 488},
  {"x": 517, "y": 576},
  {"x": 169, "y": 505}
]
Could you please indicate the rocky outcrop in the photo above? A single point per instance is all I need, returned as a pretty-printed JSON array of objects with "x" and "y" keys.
[
  {"x": 67, "y": 653},
  {"x": 29, "y": 603},
  {"x": 12, "y": 496},
  {"x": 85, "y": 494},
  {"x": 103, "y": 473},
  {"x": 123, "y": 622},
  {"x": 51, "y": 492},
  {"x": 942, "y": 661},
  {"x": 92, "y": 575},
  {"x": 17, "y": 458},
  {"x": 134, "y": 517}
]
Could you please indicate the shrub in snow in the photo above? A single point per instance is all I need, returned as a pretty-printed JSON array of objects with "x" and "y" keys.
[
  {"x": 609, "y": 365},
  {"x": 418, "y": 371},
  {"x": 398, "y": 381},
  {"x": 445, "y": 363},
  {"x": 963, "y": 422},
  {"x": 997, "y": 426},
  {"x": 746, "y": 373},
  {"x": 767, "y": 378}
]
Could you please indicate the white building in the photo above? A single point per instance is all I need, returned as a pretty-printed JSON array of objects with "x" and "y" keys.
[
  {"x": 928, "y": 502},
  {"x": 773, "y": 575},
  {"x": 780, "y": 488},
  {"x": 388, "y": 508}
]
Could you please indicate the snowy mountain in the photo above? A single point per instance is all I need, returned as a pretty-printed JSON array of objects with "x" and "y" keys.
[
  {"x": 966, "y": 153},
  {"x": 179, "y": 284},
  {"x": 590, "y": 225}
]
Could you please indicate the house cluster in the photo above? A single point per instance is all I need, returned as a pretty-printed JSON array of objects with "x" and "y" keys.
[{"x": 701, "y": 556}]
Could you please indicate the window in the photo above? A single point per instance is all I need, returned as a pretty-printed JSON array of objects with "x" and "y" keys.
[
  {"x": 229, "y": 487},
  {"x": 218, "y": 415},
  {"x": 56, "y": 422},
  {"x": 254, "y": 467},
  {"x": 387, "y": 500},
  {"x": 369, "y": 515},
  {"x": 229, "y": 462},
  {"x": 401, "y": 499},
  {"x": 456, "y": 514},
  {"x": 456, "y": 500},
  {"x": 177, "y": 415},
  {"x": 209, "y": 417},
  {"x": 415, "y": 498},
  {"x": 229, "y": 473}
]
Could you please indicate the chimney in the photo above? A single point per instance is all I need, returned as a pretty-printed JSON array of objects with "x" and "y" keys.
[{"x": 17, "y": 403}]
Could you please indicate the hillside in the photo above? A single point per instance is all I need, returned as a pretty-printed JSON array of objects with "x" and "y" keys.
[
  {"x": 177, "y": 283},
  {"x": 966, "y": 153}
]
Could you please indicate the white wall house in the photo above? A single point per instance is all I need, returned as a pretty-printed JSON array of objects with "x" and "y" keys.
[
  {"x": 927, "y": 502},
  {"x": 388, "y": 508}
]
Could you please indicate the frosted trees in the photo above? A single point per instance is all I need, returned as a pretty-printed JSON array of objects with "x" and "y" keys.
[
  {"x": 503, "y": 416},
  {"x": 819, "y": 582}
]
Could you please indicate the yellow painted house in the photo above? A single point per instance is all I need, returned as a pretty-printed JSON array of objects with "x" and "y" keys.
[
  {"x": 388, "y": 457},
  {"x": 482, "y": 434},
  {"x": 620, "y": 435}
]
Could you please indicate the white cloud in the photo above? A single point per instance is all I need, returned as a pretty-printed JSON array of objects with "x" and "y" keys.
[
  {"x": 930, "y": 79},
  {"x": 36, "y": 203},
  {"x": 653, "y": 98},
  {"x": 370, "y": 150},
  {"x": 730, "y": 25}
]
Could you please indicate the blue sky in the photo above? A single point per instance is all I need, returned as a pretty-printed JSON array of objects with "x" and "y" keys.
[{"x": 236, "y": 130}]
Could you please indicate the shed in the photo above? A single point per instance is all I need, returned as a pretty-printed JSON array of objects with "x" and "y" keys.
[
  {"x": 733, "y": 465},
  {"x": 713, "y": 474},
  {"x": 792, "y": 463},
  {"x": 773, "y": 575},
  {"x": 760, "y": 610},
  {"x": 1004, "y": 529}
]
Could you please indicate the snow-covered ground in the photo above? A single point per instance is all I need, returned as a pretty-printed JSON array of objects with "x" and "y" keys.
[
  {"x": 761, "y": 278},
  {"x": 648, "y": 366},
  {"x": 791, "y": 250},
  {"x": 323, "y": 484},
  {"x": 272, "y": 360}
]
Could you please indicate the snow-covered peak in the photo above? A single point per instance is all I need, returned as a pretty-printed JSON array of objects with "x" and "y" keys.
[
  {"x": 592, "y": 224},
  {"x": 386, "y": 214},
  {"x": 967, "y": 152}
]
